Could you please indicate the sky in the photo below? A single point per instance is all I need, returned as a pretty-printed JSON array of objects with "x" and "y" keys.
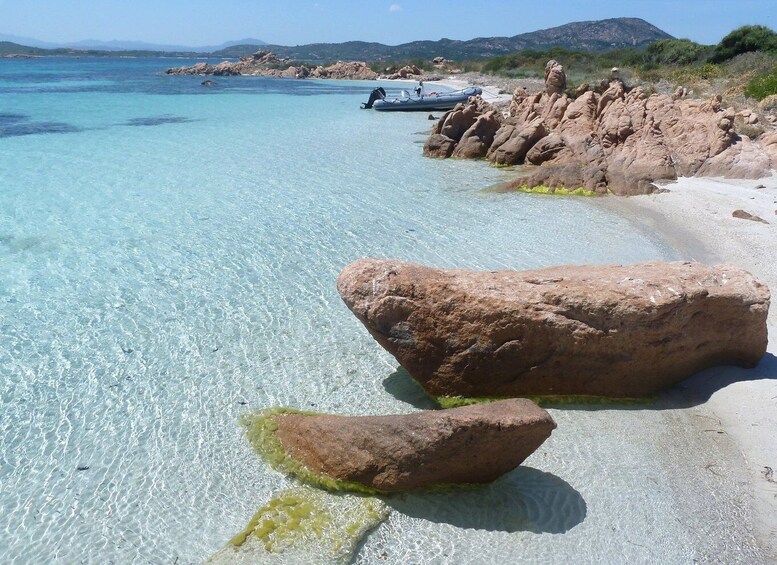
[{"x": 295, "y": 22}]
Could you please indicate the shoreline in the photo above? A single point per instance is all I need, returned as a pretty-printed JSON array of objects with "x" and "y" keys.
[{"x": 695, "y": 218}]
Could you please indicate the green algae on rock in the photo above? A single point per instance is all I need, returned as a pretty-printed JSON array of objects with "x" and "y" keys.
[
  {"x": 544, "y": 401},
  {"x": 401, "y": 452},
  {"x": 260, "y": 431},
  {"x": 520, "y": 186},
  {"x": 559, "y": 191},
  {"x": 307, "y": 526}
]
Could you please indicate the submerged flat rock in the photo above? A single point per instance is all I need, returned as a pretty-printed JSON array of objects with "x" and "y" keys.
[
  {"x": 472, "y": 444},
  {"x": 611, "y": 331},
  {"x": 304, "y": 525}
]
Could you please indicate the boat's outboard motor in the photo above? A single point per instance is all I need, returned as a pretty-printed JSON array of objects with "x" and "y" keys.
[{"x": 376, "y": 94}]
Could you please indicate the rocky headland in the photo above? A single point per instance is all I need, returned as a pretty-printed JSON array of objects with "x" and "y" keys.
[
  {"x": 266, "y": 63},
  {"x": 607, "y": 331},
  {"x": 611, "y": 139}
]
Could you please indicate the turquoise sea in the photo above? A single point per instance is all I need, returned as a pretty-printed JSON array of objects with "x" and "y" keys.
[{"x": 168, "y": 256}]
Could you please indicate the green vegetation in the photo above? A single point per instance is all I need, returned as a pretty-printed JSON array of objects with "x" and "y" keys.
[
  {"x": 544, "y": 400},
  {"x": 743, "y": 52},
  {"x": 673, "y": 52},
  {"x": 312, "y": 522},
  {"x": 560, "y": 191},
  {"x": 762, "y": 85},
  {"x": 744, "y": 40}
]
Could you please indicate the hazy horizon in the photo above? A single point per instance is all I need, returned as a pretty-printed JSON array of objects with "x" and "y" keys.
[{"x": 297, "y": 22}]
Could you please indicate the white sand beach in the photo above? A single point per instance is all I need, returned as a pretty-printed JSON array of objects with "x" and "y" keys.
[
  {"x": 695, "y": 217},
  {"x": 491, "y": 93}
]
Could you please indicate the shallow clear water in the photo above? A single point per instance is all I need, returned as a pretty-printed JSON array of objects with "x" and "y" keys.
[{"x": 168, "y": 256}]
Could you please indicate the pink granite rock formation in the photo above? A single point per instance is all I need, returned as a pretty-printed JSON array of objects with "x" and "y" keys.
[
  {"x": 472, "y": 444},
  {"x": 620, "y": 141},
  {"x": 612, "y": 331}
]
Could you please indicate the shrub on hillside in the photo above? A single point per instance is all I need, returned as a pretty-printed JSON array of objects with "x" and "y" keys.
[
  {"x": 744, "y": 40},
  {"x": 755, "y": 62},
  {"x": 762, "y": 86},
  {"x": 676, "y": 52}
]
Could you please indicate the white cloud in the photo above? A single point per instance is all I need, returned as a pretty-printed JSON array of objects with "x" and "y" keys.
[{"x": 395, "y": 8}]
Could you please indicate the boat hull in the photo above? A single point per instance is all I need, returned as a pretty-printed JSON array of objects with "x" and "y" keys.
[{"x": 444, "y": 101}]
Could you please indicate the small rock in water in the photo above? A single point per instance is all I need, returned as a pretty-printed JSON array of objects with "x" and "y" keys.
[
  {"x": 82, "y": 467},
  {"x": 760, "y": 186},
  {"x": 432, "y": 117},
  {"x": 470, "y": 444},
  {"x": 209, "y": 83}
]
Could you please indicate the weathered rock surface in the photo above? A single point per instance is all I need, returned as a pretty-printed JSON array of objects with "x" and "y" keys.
[
  {"x": 266, "y": 63},
  {"x": 472, "y": 444},
  {"x": 613, "y": 331},
  {"x": 475, "y": 122},
  {"x": 474, "y": 143},
  {"x": 620, "y": 140},
  {"x": 555, "y": 77},
  {"x": 405, "y": 72}
]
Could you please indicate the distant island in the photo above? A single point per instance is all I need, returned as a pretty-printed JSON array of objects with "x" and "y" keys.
[{"x": 595, "y": 36}]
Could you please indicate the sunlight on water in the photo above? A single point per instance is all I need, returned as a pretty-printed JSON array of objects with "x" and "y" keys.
[{"x": 169, "y": 255}]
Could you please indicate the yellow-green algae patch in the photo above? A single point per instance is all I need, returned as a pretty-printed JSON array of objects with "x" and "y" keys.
[
  {"x": 545, "y": 400},
  {"x": 260, "y": 430},
  {"x": 509, "y": 186},
  {"x": 560, "y": 191},
  {"x": 306, "y": 525}
]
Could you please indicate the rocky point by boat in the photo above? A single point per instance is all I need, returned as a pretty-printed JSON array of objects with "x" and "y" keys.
[{"x": 617, "y": 139}]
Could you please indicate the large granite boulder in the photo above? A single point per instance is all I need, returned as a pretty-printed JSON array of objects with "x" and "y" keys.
[
  {"x": 474, "y": 143},
  {"x": 472, "y": 444},
  {"x": 514, "y": 143},
  {"x": 476, "y": 118},
  {"x": 611, "y": 331}
]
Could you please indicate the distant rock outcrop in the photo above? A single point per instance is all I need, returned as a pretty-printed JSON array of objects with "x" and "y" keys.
[
  {"x": 266, "y": 63},
  {"x": 611, "y": 331},
  {"x": 472, "y": 444},
  {"x": 408, "y": 71},
  {"x": 619, "y": 141}
]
